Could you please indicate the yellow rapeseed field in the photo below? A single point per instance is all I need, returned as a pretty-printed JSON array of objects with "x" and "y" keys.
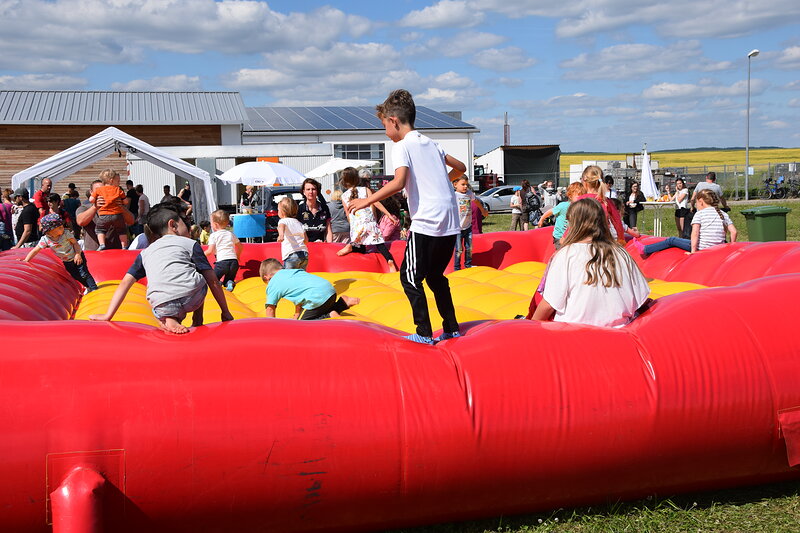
[{"x": 695, "y": 159}]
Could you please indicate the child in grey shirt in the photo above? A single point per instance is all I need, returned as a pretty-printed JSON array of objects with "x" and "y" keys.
[{"x": 178, "y": 274}]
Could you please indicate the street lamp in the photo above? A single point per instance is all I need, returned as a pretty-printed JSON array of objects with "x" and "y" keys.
[{"x": 750, "y": 56}]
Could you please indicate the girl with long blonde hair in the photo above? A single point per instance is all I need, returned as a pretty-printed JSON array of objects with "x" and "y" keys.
[{"x": 591, "y": 279}]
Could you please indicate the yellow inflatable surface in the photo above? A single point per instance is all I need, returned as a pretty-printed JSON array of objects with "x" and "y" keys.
[{"x": 479, "y": 293}]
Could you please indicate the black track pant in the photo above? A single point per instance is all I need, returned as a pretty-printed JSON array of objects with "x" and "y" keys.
[{"x": 425, "y": 259}]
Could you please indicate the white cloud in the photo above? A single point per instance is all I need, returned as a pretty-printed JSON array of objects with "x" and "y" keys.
[
  {"x": 792, "y": 86},
  {"x": 794, "y": 102},
  {"x": 789, "y": 59},
  {"x": 446, "y": 13},
  {"x": 509, "y": 82},
  {"x": 636, "y": 60},
  {"x": 67, "y": 35},
  {"x": 678, "y": 18},
  {"x": 777, "y": 124},
  {"x": 503, "y": 59},
  {"x": 41, "y": 82},
  {"x": 340, "y": 57},
  {"x": 179, "y": 82},
  {"x": 665, "y": 90}
]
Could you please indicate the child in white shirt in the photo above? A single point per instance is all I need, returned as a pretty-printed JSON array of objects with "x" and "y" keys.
[
  {"x": 591, "y": 279},
  {"x": 420, "y": 167},
  {"x": 227, "y": 248},
  {"x": 292, "y": 236}
]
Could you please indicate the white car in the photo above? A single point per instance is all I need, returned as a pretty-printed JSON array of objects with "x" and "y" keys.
[{"x": 498, "y": 199}]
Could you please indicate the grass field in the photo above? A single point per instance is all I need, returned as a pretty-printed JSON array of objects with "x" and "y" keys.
[
  {"x": 691, "y": 158},
  {"x": 764, "y": 508}
]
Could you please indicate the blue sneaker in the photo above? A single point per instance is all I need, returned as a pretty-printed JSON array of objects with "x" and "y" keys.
[
  {"x": 445, "y": 336},
  {"x": 229, "y": 286},
  {"x": 419, "y": 338}
]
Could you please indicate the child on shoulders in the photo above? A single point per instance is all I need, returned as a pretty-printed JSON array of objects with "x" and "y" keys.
[
  {"x": 226, "y": 246},
  {"x": 66, "y": 248},
  {"x": 110, "y": 213},
  {"x": 314, "y": 297},
  {"x": 291, "y": 235},
  {"x": 177, "y": 271},
  {"x": 591, "y": 279}
]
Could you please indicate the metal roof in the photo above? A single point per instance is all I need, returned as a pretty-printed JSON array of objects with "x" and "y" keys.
[
  {"x": 118, "y": 107},
  {"x": 337, "y": 118}
]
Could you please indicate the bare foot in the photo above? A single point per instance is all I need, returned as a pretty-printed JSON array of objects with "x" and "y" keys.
[
  {"x": 170, "y": 325},
  {"x": 392, "y": 267},
  {"x": 346, "y": 250},
  {"x": 351, "y": 300}
]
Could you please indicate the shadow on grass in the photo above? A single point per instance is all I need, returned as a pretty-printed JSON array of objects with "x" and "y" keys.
[{"x": 607, "y": 517}]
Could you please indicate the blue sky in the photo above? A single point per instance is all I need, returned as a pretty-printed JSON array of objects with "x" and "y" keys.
[{"x": 590, "y": 75}]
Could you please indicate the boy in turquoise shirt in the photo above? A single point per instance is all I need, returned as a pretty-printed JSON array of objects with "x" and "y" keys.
[{"x": 314, "y": 298}]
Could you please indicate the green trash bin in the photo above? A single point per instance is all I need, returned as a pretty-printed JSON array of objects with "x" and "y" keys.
[{"x": 766, "y": 222}]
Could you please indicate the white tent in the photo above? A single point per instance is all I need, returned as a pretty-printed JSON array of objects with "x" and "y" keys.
[
  {"x": 337, "y": 164},
  {"x": 83, "y": 154},
  {"x": 648, "y": 186}
]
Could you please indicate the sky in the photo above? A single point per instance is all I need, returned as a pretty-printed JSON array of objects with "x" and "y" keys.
[{"x": 590, "y": 75}]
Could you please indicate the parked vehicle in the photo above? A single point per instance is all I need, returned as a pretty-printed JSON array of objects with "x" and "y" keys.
[
  {"x": 497, "y": 199},
  {"x": 266, "y": 201}
]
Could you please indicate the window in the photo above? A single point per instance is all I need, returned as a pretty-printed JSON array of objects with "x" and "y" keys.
[{"x": 373, "y": 152}]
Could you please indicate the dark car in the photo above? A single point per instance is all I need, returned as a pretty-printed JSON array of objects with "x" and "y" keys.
[{"x": 266, "y": 201}]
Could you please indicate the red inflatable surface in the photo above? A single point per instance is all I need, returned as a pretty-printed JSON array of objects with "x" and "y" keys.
[{"x": 279, "y": 425}]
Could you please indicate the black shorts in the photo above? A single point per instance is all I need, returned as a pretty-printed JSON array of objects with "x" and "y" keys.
[{"x": 681, "y": 212}]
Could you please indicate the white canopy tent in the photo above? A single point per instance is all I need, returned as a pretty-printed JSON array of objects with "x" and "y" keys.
[
  {"x": 648, "y": 186},
  {"x": 83, "y": 154}
]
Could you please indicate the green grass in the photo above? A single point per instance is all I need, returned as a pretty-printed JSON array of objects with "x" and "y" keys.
[
  {"x": 765, "y": 508},
  {"x": 502, "y": 222}
]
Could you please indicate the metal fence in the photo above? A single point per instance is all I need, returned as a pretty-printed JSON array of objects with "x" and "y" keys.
[{"x": 730, "y": 177}]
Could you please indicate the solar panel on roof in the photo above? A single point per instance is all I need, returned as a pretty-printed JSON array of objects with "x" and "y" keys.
[{"x": 338, "y": 118}]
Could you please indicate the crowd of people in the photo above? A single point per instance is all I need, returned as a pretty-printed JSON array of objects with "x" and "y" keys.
[{"x": 591, "y": 279}]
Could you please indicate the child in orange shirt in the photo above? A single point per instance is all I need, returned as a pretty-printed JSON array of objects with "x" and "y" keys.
[{"x": 110, "y": 213}]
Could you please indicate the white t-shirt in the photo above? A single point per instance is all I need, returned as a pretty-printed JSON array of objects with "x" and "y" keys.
[
  {"x": 464, "y": 202},
  {"x": 712, "y": 227},
  {"x": 225, "y": 242},
  {"x": 682, "y": 199},
  {"x": 431, "y": 198},
  {"x": 575, "y": 302},
  {"x": 293, "y": 237}
]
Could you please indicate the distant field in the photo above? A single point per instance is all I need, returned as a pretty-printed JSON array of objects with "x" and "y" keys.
[{"x": 695, "y": 159}]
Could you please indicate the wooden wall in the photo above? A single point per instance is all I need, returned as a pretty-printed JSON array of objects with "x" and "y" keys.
[{"x": 22, "y": 146}]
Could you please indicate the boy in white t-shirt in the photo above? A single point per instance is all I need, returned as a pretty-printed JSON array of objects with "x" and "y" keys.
[
  {"x": 226, "y": 246},
  {"x": 465, "y": 198},
  {"x": 292, "y": 236},
  {"x": 420, "y": 167}
]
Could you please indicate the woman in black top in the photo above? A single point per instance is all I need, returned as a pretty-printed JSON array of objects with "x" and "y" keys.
[
  {"x": 314, "y": 214},
  {"x": 634, "y": 204}
]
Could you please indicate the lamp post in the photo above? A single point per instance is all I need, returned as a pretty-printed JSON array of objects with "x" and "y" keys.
[{"x": 750, "y": 56}]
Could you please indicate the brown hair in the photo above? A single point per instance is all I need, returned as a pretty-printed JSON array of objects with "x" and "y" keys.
[
  {"x": 587, "y": 220},
  {"x": 350, "y": 180},
  {"x": 269, "y": 266},
  {"x": 288, "y": 206},
  {"x": 221, "y": 217},
  {"x": 712, "y": 200},
  {"x": 398, "y": 104}
]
